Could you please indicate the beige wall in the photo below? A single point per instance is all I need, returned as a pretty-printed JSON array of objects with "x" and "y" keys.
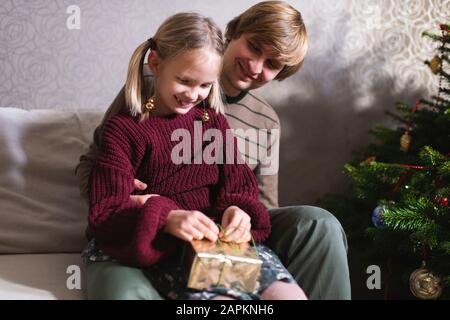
[{"x": 365, "y": 55}]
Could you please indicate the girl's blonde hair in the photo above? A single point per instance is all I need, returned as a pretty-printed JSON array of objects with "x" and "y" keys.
[
  {"x": 179, "y": 33},
  {"x": 277, "y": 25}
]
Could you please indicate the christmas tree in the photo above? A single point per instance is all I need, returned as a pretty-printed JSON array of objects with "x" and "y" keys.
[{"x": 398, "y": 208}]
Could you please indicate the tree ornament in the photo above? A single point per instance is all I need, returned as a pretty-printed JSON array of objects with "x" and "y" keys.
[
  {"x": 150, "y": 105},
  {"x": 377, "y": 217},
  {"x": 405, "y": 141},
  {"x": 436, "y": 64},
  {"x": 205, "y": 116},
  {"x": 424, "y": 284},
  {"x": 442, "y": 201},
  {"x": 445, "y": 27}
]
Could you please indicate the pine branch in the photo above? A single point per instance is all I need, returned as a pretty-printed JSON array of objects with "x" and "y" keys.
[
  {"x": 432, "y": 157},
  {"x": 385, "y": 135},
  {"x": 446, "y": 281},
  {"x": 433, "y": 36},
  {"x": 440, "y": 100},
  {"x": 444, "y": 169},
  {"x": 445, "y": 74},
  {"x": 445, "y": 58},
  {"x": 426, "y": 102},
  {"x": 403, "y": 107},
  {"x": 407, "y": 219},
  {"x": 397, "y": 117},
  {"x": 444, "y": 247}
]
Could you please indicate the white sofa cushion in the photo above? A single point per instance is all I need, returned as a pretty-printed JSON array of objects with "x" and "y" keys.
[
  {"x": 40, "y": 277},
  {"x": 41, "y": 209}
]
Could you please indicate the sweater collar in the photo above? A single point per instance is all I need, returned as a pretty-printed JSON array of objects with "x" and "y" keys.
[{"x": 237, "y": 98}]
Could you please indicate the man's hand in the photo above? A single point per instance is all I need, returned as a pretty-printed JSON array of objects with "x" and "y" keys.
[
  {"x": 141, "y": 199},
  {"x": 189, "y": 225},
  {"x": 237, "y": 226}
]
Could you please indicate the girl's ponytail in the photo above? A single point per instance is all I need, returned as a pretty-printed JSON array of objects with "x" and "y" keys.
[
  {"x": 134, "y": 87},
  {"x": 179, "y": 33},
  {"x": 215, "y": 98}
]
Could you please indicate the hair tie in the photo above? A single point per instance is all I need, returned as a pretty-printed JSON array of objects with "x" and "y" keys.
[{"x": 152, "y": 44}]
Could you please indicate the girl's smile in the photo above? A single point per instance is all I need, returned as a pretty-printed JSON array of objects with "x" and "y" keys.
[{"x": 183, "y": 81}]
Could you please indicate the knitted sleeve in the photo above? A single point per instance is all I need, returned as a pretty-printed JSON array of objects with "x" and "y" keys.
[
  {"x": 130, "y": 233},
  {"x": 238, "y": 187}
]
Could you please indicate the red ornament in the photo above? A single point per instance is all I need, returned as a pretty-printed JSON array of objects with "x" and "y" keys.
[
  {"x": 442, "y": 201},
  {"x": 444, "y": 27},
  {"x": 416, "y": 106}
]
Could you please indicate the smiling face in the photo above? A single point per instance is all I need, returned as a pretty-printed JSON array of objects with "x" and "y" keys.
[
  {"x": 183, "y": 81},
  {"x": 248, "y": 65}
]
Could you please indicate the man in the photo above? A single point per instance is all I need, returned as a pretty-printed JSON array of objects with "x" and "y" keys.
[{"x": 267, "y": 42}]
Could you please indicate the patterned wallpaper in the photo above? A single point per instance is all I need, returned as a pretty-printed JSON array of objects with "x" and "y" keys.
[{"x": 364, "y": 56}]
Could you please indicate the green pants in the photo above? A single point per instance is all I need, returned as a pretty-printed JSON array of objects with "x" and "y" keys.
[{"x": 309, "y": 241}]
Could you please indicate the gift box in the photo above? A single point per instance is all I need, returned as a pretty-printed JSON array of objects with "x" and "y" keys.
[{"x": 231, "y": 265}]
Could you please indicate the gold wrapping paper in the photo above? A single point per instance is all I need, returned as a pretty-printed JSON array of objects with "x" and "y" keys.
[{"x": 231, "y": 265}]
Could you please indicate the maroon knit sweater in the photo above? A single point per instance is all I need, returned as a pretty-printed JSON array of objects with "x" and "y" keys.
[{"x": 131, "y": 149}]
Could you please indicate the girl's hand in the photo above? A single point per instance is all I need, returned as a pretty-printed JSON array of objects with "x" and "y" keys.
[
  {"x": 237, "y": 226},
  {"x": 189, "y": 225},
  {"x": 141, "y": 199}
]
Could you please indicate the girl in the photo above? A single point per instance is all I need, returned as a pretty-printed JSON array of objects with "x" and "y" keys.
[{"x": 185, "y": 58}]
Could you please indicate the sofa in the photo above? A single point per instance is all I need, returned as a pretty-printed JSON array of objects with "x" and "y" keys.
[{"x": 42, "y": 214}]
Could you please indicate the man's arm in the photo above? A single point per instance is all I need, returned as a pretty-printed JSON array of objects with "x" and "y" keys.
[
  {"x": 267, "y": 170},
  {"x": 83, "y": 169},
  {"x": 268, "y": 190}
]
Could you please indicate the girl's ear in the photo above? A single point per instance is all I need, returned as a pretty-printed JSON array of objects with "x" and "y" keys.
[{"x": 153, "y": 61}]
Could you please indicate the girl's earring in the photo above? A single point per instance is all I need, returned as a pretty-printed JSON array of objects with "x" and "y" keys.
[
  {"x": 150, "y": 105},
  {"x": 205, "y": 116}
]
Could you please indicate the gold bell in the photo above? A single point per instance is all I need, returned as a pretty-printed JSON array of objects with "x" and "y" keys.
[
  {"x": 150, "y": 105},
  {"x": 405, "y": 141},
  {"x": 205, "y": 116},
  {"x": 436, "y": 64}
]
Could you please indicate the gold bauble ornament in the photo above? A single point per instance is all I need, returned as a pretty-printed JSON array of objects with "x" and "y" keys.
[
  {"x": 405, "y": 141},
  {"x": 424, "y": 284},
  {"x": 205, "y": 116},
  {"x": 436, "y": 64},
  {"x": 150, "y": 105}
]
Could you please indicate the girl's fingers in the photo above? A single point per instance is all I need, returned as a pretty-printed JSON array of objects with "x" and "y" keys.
[
  {"x": 209, "y": 224},
  {"x": 234, "y": 224},
  {"x": 184, "y": 236},
  {"x": 246, "y": 237},
  {"x": 195, "y": 233},
  {"x": 139, "y": 185},
  {"x": 141, "y": 200},
  {"x": 206, "y": 231},
  {"x": 226, "y": 219},
  {"x": 237, "y": 234}
]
